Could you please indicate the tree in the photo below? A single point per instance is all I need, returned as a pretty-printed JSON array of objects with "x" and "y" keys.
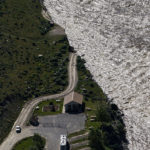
[
  {"x": 111, "y": 137},
  {"x": 39, "y": 142},
  {"x": 34, "y": 148},
  {"x": 95, "y": 138},
  {"x": 102, "y": 113}
]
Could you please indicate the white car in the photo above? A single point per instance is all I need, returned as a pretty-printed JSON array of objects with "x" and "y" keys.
[
  {"x": 18, "y": 129},
  {"x": 63, "y": 142}
]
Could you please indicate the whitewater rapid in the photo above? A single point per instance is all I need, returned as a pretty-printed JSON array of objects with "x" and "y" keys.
[{"x": 113, "y": 37}]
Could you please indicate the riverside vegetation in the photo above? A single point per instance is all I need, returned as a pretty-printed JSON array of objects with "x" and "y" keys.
[
  {"x": 31, "y": 63},
  {"x": 107, "y": 131},
  {"x": 35, "y": 142}
]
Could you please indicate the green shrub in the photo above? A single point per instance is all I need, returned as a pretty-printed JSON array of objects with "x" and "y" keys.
[
  {"x": 35, "y": 142},
  {"x": 111, "y": 129},
  {"x": 103, "y": 112},
  {"x": 96, "y": 141}
]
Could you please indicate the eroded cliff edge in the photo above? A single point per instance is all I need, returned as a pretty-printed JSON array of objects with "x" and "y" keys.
[{"x": 113, "y": 37}]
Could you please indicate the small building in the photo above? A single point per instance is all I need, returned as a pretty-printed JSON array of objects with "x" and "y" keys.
[
  {"x": 40, "y": 55},
  {"x": 73, "y": 102}
]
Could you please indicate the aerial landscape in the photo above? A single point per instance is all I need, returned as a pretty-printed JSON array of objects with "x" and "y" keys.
[{"x": 74, "y": 75}]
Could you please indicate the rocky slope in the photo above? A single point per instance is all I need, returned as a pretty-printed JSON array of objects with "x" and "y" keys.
[{"x": 113, "y": 36}]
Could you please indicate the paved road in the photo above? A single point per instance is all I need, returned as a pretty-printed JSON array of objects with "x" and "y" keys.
[
  {"x": 51, "y": 127},
  {"x": 29, "y": 107},
  {"x": 70, "y": 122}
]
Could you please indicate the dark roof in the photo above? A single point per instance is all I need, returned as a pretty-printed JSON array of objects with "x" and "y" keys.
[{"x": 73, "y": 97}]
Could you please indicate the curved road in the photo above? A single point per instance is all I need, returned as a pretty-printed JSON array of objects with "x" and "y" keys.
[{"x": 29, "y": 107}]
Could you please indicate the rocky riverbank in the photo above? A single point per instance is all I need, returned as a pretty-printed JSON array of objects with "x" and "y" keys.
[{"x": 113, "y": 37}]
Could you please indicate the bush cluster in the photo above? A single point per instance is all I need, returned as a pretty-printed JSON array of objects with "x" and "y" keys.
[
  {"x": 111, "y": 130},
  {"x": 35, "y": 142}
]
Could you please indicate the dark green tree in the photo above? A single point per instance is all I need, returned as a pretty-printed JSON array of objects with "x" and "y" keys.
[
  {"x": 103, "y": 112},
  {"x": 95, "y": 138}
]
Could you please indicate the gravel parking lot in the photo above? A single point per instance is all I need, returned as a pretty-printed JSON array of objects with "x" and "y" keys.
[{"x": 51, "y": 127}]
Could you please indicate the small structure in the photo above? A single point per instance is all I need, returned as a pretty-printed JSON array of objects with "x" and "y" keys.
[
  {"x": 73, "y": 102},
  {"x": 58, "y": 100},
  {"x": 40, "y": 55},
  {"x": 37, "y": 107},
  {"x": 63, "y": 142}
]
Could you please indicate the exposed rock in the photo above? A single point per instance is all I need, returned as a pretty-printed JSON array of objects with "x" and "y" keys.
[{"x": 113, "y": 36}]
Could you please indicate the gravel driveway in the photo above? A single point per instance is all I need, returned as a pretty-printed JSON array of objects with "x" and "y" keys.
[{"x": 51, "y": 127}]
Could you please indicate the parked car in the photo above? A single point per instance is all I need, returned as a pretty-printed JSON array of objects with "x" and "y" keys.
[
  {"x": 63, "y": 142},
  {"x": 18, "y": 129}
]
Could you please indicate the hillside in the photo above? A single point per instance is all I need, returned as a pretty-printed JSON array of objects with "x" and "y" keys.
[{"x": 32, "y": 63}]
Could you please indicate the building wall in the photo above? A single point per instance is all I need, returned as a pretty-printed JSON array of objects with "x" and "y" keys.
[{"x": 73, "y": 107}]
